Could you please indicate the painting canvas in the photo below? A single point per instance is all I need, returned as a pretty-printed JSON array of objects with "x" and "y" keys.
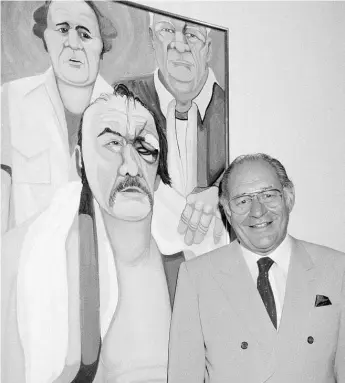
[{"x": 115, "y": 136}]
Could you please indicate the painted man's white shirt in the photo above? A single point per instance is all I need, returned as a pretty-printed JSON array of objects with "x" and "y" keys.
[
  {"x": 40, "y": 156},
  {"x": 170, "y": 201},
  {"x": 278, "y": 272},
  {"x": 183, "y": 159}
]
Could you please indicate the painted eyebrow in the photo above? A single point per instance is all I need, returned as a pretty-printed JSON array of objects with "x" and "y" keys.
[
  {"x": 142, "y": 129},
  {"x": 61, "y": 24},
  {"x": 77, "y": 27},
  {"x": 108, "y": 130},
  {"x": 82, "y": 27},
  {"x": 191, "y": 26},
  {"x": 166, "y": 22},
  {"x": 143, "y": 139}
]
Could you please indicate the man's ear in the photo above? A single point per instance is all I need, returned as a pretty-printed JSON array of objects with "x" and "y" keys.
[
  {"x": 157, "y": 181},
  {"x": 151, "y": 41},
  {"x": 151, "y": 33},
  {"x": 78, "y": 160},
  {"x": 226, "y": 209},
  {"x": 289, "y": 194},
  {"x": 227, "y": 213},
  {"x": 209, "y": 49}
]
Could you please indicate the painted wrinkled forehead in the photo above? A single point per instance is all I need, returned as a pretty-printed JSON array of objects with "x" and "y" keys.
[
  {"x": 251, "y": 175},
  {"x": 156, "y": 18},
  {"x": 77, "y": 10},
  {"x": 126, "y": 116}
]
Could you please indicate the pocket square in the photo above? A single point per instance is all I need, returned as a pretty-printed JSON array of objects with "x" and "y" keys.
[{"x": 322, "y": 300}]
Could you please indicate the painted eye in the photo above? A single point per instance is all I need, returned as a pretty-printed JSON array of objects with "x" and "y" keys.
[
  {"x": 169, "y": 30},
  {"x": 145, "y": 150},
  {"x": 63, "y": 30},
  {"x": 114, "y": 145},
  {"x": 84, "y": 36},
  {"x": 194, "y": 36}
]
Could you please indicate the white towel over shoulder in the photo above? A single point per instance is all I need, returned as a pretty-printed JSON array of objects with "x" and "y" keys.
[{"x": 42, "y": 290}]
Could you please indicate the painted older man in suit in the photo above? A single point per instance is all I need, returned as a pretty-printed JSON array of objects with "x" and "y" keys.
[
  {"x": 191, "y": 106},
  {"x": 268, "y": 307}
]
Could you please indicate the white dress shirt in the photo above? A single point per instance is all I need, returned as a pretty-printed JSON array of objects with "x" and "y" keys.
[
  {"x": 277, "y": 274},
  {"x": 182, "y": 140}
]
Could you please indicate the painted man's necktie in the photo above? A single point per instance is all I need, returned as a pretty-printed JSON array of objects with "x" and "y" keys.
[{"x": 265, "y": 289}]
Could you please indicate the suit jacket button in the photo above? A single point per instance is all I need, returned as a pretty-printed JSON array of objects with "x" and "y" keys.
[
  {"x": 310, "y": 340},
  {"x": 244, "y": 345}
]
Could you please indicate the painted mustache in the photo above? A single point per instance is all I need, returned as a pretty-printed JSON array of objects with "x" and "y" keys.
[{"x": 129, "y": 182}]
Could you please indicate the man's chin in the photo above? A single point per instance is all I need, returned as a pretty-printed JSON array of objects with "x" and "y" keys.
[
  {"x": 74, "y": 76},
  {"x": 264, "y": 245},
  {"x": 181, "y": 85},
  {"x": 129, "y": 209}
]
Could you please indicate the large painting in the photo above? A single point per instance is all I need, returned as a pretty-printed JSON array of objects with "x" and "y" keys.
[{"x": 115, "y": 137}]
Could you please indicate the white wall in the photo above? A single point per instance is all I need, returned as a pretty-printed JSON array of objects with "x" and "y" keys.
[{"x": 287, "y": 84}]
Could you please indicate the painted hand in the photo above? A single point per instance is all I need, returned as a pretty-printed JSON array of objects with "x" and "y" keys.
[{"x": 200, "y": 210}]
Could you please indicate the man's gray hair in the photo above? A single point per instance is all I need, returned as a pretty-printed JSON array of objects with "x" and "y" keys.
[
  {"x": 208, "y": 30},
  {"x": 276, "y": 165}
]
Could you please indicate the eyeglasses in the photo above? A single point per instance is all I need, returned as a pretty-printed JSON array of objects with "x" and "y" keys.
[{"x": 242, "y": 204}]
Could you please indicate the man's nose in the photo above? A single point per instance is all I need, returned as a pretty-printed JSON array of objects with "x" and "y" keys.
[
  {"x": 257, "y": 208},
  {"x": 73, "y": 39},
  {"x": 129, "y": 164},
  {"x": 180, "y": 43}
]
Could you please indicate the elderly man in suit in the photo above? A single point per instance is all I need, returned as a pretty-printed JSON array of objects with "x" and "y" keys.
[
  {"x": 191, "y": 105},
  {"x": 41, "y": 114},
  {"x": 266, "y": 308},
  {"x": 92, "y": 298}
]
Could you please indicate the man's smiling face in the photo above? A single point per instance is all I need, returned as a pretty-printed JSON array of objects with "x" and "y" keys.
[
  {"x": 120, "y": 151},
  {"x": 261, "y": 229}
]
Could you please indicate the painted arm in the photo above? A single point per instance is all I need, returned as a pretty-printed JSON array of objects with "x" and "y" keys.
[{"x": 186, "y": 347}]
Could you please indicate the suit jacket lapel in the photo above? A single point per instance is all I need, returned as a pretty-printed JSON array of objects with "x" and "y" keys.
[
  {"x": 299, "y": 293},
  {"x": 234, "y": 278}
]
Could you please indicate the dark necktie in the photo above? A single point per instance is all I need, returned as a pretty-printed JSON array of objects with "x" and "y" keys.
[{"x": 265, "y": 289}]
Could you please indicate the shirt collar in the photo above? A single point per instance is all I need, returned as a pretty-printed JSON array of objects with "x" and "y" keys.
[
  {"x": 202, "y": 100},
  {"x": 281, "y": 255}
]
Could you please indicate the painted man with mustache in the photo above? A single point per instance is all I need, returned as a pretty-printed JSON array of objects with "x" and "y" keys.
[
  {"x": 41, "y": 114},
  {"x": 94, "y": 293},
  {"x": 191, "y": 106}
]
